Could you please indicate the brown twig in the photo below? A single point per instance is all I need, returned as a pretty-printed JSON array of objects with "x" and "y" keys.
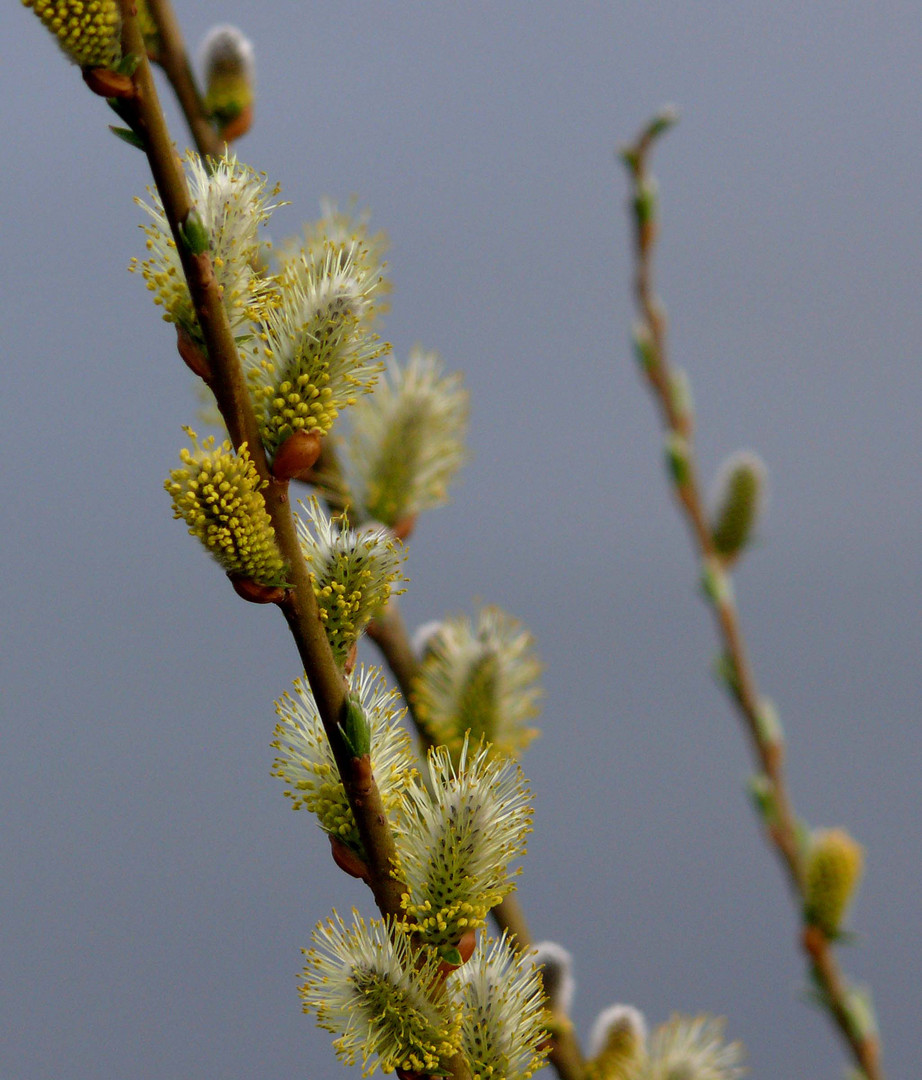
[
  {"x": 227, "y": 381},
  {"x": 173, "y": 58},
  {"x": 388, "y": 631},
  {"x": 782, "y": 827}
]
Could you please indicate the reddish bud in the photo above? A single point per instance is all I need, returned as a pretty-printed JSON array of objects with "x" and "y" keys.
[
  {"x": 240, "y": 125},
  {"x": 466, "y": 945},
  {"x": 404, "y": 527},
  {"x": 251, "y": 590},
  {"x": 347, "y": 860},
  {"x": 108, "y": 84},
  {"x": 192, "y": 354},
  {"x": 297, "y": 455}
]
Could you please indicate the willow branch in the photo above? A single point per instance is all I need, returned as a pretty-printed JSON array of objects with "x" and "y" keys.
[
  {"x": 782, "y": 831},
  {"x": 388, "y": 631},
  {"x": 173, "y": 58},
  {"x": 226, "y": 379}
]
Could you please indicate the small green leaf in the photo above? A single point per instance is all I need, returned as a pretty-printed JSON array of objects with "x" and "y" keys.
[
  {"x": 354, "y": 728},
  {"x": 122, "y": 109},
  {"x": 451, "y": 955},
  {"x": 195, "y": 236},
  {"x": 128, "y": 136},
  {"x": 677, "y": 459},
  {"x": 128, "y": 64}
]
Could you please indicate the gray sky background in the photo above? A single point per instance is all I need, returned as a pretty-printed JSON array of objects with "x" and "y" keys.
[{"x": 155, "y": 887}]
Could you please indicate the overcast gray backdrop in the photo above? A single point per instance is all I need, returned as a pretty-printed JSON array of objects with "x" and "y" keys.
[{"x": 155, "y": 887}]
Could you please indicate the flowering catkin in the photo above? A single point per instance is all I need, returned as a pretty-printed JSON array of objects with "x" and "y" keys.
[
  {"x": 87, "y": 30},
  {"x": 217, "y": 492}
]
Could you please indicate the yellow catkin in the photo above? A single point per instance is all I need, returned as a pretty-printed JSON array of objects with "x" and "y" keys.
[
  {"x": 87, "y": 30},
  {"x": 740, "y": 502},
  {"x": 834, "y": 865},
  {"x": 218, "y": 494}
]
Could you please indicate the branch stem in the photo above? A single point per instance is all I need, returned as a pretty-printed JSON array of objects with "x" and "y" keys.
[
  {"x": 389, "y": 633},
  {"x": 229, "y": 386},
  {"x": 783, "y": 832},
  {"x": 174, "y": 60}
]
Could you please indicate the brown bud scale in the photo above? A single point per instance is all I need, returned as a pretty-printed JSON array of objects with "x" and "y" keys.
[
  {"x": 192, "y": 354},
  {"x": 250, "y": 590},
  {"x": 297, "y": 455},
  {"x": 347, "y": 860},
  {"x": 240, "y": 125},
  {"x": 108, "y": 84},
  {"x": 404, "y": 527}
]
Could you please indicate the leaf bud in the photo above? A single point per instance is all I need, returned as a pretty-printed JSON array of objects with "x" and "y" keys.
[
  {"x": 724, "y": 667},
  {"x": 644, "y": 349},
  {"x": 762, "y": 793},
  {"x": 130, "y": 62},
  {"x": 715, "y": 584},
  {"x": 128, "y": 136},
  {"x": 680, "y": 397},
  {"x": 678, "y": 459},
  {"x": 645, "y": 202},
  {"x": 768, "y": 726},
  {"x": 862, "y": 1017},
  {"x": 453, "y": 956}
]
